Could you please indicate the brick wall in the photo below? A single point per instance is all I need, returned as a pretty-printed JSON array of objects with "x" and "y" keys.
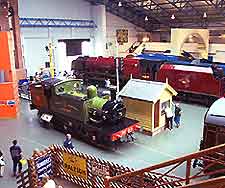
[{"x": 4, "y": 23}]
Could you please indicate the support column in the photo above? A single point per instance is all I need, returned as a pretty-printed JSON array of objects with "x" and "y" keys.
[{"x": 99, "y": 17}]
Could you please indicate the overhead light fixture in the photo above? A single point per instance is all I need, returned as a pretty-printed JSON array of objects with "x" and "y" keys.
[
  {"x": 120, "y": 4},
  {"x": 146, "y": 18},
  {"x": 205, "y": 15},
  {"x": 173, "y": 17}
]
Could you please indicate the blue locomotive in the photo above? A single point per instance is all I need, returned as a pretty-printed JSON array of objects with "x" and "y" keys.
[{"x": 185, "y": 59}]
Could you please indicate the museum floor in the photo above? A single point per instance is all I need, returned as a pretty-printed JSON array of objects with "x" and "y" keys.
[{"x": 145, "y": 151}]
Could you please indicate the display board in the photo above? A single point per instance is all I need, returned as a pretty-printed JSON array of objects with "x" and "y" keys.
[
  {"x": 122, "y": 36},
  {"x": 44, "y": 166},
  {"x": 74, "y": 165}
]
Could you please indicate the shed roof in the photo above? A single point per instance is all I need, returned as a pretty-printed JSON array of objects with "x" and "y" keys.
[{"x": 145, "y": 90}]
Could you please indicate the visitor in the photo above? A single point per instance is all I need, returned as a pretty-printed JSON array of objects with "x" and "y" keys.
[
  {"x": 2, "y": 164},
  {"x": 107, "y": 83},
  {"x": 48, "y": 182},
  {"x": 68, "y": 142},
  {"x": 16, "y": 154},
  {"x": 169, "y": 118},
  {"x": 36, "y": 153},
  {"x": 177, "y": 116}
]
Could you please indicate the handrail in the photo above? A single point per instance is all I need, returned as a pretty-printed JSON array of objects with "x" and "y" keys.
[
  {"x": 213, "y": 181},
  {"x": 188, "y": 158},
  {"x": 173, "y": 161}
]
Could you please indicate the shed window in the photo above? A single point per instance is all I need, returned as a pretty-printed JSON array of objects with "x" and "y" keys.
[{"x": 163, "y": 106}]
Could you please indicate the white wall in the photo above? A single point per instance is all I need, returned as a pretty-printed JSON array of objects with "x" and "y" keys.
[
  {"x": 154, "y": 47},
  {"x": 112, "y": 24},
  {"x": 74, "y": 9},
  {"x": 35, "y": 39},
  {"x": 218, "y": 51},
  {"x": 99, "y": 16}
]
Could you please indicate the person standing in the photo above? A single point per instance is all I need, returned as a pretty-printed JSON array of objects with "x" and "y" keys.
[
  {"x": 177, "y": 116},
  {"x": 2, "y": 164},
  {"x": 16, "y": 154},
  {"x": 169, "y": 118},
  {"x": 68, "y": 142},
  {"x": 48, "y": 182},
  {"x": 107, "y": 83}
]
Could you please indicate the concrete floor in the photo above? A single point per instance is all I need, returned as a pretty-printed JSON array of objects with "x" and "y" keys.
[{"x": 145, "y": 151}]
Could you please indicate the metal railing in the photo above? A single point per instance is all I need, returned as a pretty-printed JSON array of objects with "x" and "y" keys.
[
  {"x": 216, "y": 182},
  {"x": 90, "y": 172},
  {"x": 211, "y": 161}
]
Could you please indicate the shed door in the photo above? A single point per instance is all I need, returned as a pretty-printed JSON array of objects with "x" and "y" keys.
[{"x": 156, "y": 114}]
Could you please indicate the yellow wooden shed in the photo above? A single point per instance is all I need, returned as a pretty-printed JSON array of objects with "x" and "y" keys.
[{"x": 146, "y": 101}]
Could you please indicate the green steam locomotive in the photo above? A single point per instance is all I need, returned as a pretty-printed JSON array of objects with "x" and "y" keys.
[{"x": 83, "y": 111}]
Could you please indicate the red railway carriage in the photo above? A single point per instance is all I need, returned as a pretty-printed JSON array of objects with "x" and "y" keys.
[
  {"x": 95, "y": 68},
  {"x": 131, "y": 66},
  {"x": 192, "y": 80},
  {"x": 189, "y": 80}
]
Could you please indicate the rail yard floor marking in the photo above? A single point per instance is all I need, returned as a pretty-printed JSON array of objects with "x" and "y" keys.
[
  {"x": 34, "y": 142},
  {"x": 138, "y": 159},
  {"x": 155, "y": 150}
]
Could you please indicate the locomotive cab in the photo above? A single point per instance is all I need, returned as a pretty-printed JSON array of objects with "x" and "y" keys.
[{"x": 214, "y": 125}]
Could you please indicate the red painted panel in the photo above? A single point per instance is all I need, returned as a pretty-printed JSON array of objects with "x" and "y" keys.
[
  {"x": 192, "y": 81},
  {"x": 105, "y": 64},
  {"x": 4, "y": 54},
  {"x": 124, "y": 132},
  {"x": 9, "y": 90},
  {"x": 131, "y": 66}
]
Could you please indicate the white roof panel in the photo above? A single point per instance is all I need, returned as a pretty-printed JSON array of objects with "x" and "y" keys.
[
  {"x": 193, "y": 68},
  {"x": 143, "y": 90}
]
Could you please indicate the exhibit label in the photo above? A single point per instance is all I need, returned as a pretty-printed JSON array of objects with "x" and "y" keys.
[
  {"x": 74, "y": 165},
  {"x": 44, "y": 166}
]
